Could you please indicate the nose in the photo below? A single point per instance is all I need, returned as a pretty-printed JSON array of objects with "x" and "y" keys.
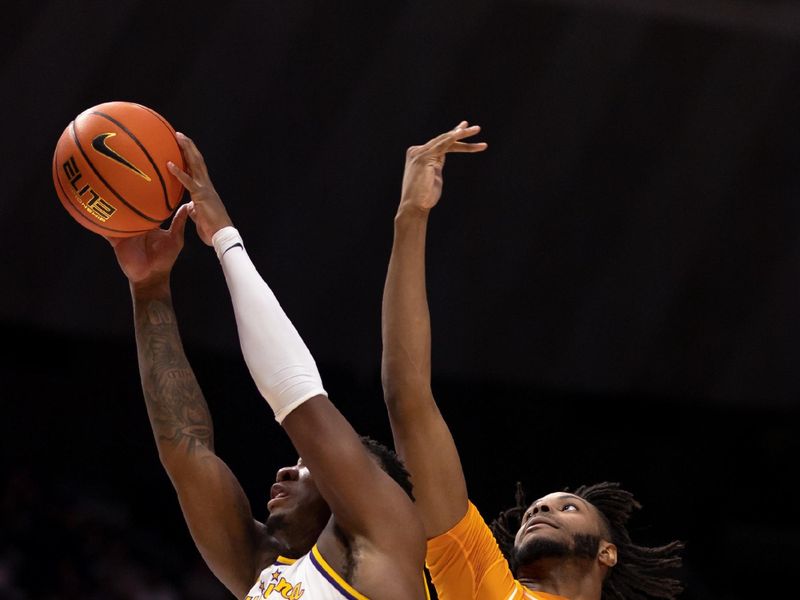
[
  {"x": 540, "y": 506},
  {"x": 287, "y": 474}
]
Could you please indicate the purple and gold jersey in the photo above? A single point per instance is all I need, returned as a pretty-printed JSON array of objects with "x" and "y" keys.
[{"x": 309, "y": 577}]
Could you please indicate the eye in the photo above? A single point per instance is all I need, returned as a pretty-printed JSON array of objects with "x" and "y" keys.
[{"x": 569, "y": 507}]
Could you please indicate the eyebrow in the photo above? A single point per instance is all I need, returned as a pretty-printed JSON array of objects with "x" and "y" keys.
[{"x": 568, "y": 497}]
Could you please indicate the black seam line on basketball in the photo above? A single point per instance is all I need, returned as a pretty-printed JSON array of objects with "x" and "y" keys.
[
  {"x": 143, "y": 149},
  {"x": 99, "y": 144},
  {"x": 232, "y": 247},
  {"x": 160, "y": 118},
  {"x": 81, "y": 213},
  {"x": 113, "y": 191},
  {"x": 172, "y": 133}
]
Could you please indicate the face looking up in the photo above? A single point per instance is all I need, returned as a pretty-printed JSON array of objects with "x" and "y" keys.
[{"x": 559, "y": 525}]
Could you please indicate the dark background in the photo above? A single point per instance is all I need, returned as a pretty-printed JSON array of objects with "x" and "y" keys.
[{"x": 613, "y": 283}]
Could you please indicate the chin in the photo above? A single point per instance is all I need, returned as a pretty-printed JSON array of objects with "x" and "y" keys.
[
  {"x": 537, "y": 547},
  {"x": 276, "y": 520}
]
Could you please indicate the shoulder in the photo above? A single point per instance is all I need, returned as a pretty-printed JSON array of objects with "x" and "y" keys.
[
  {"x": 360, "y": 563},
  {"x": 471, "y": 521}
]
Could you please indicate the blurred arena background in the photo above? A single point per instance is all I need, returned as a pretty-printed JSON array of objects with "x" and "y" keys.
[{"x": 613, "y": 284}]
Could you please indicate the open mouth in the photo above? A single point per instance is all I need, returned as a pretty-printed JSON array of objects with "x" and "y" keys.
[
  {"x": 277, "y": 490},
  {"x": 277, "y": 493},
  {"x": 276, "y": 499}
]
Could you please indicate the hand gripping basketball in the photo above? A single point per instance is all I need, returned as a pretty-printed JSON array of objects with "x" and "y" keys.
[{"x": 206, "y": 208}]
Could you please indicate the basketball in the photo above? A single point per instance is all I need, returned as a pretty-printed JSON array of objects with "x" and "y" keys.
[{"x": 110, "y": 169}]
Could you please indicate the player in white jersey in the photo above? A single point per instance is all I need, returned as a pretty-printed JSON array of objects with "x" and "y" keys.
[
  {"x": 353, "y": 528},
  {"x": 290, "y": 578}
]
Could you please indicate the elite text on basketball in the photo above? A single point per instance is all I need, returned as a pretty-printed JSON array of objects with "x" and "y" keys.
[{"x": 88, "y": 198}]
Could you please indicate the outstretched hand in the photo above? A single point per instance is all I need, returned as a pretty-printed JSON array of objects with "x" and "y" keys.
[
  {"x": 148, "y": 257},
  {"x": 206, "y": 208},
  {"x": 422, "y": 179}
]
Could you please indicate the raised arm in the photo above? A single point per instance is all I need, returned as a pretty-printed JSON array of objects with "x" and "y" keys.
[
  {"x": 421, "y": 436},
  {"x": 356, "y": 489},
  {"x": 214, "y": 505}
]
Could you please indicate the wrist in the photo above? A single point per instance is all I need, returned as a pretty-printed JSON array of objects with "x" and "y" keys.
[
  {"x": 410, "y": 213},
  {"x": 225, "y": 239},
  {"x": 154, "y": 286},
  {"x": 222, "y": 223}
]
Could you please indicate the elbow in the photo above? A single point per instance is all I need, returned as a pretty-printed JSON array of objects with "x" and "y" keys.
[
  {"x": 179, "y": 461},
  {"x": 171, "y": 461},
  {"x": 407, "y": 398}
]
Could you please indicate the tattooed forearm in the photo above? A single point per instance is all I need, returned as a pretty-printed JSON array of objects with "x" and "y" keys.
[{"x": 178, "y": 412}]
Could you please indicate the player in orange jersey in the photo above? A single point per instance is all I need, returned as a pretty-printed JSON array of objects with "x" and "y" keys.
[{"x": 571, "y": 546}]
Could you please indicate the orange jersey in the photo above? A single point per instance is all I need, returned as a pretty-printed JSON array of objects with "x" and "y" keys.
[{"x": 465, "y": 563}]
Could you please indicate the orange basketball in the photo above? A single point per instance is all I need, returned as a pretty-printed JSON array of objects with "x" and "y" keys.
[{"x": 110, "y": 169}]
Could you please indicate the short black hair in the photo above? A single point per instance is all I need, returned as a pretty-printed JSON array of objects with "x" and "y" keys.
[
  {"x": 641, "y": 572},
  {"x": 391, "y": 463}
]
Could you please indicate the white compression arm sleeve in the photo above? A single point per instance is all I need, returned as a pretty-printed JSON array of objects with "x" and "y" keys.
[{"x": 279, "y": 361}]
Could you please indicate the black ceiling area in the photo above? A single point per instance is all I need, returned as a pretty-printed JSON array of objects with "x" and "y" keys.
[{"x": 614, "y": 284}]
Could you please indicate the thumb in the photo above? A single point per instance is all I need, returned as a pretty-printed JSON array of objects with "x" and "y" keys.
[{"x": 179, "y": 220}]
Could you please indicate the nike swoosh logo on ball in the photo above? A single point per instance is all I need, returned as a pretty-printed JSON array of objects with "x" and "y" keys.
[{"x": 100, "y": 145}]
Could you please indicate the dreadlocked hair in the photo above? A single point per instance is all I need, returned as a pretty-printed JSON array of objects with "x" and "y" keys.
[{"x": 640, "y": 571}]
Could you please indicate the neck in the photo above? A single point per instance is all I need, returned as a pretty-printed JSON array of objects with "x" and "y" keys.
[
  {"x": 293, "y": 540},
  {"x": 576, "y": 579}
]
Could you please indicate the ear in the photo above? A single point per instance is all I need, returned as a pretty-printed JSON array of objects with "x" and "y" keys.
[{"x": 607, "y": 554}]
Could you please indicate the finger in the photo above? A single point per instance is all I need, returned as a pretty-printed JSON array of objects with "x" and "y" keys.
[
  {"x": 441, "y": 138},
  {"x": 112, "y": 240},
  {"x": 179, "y": 221},
  {"x": 186, "y": 180},
  {"x": 444, "y": 141},
  {"x": 464, "y": 132},
  {"x": 459, "y": 133},
  {"x": 463, "y": 147},
  {"x": 194, "y": 159},
  {"x": 448, "y": 135},
  {"x": 191, "y": 210},
  {"x": 191, "y": 155},
  {"x": 182, "y": 213}
]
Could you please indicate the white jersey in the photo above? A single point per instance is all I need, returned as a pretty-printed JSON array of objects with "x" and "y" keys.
[{"x": 309, "y": 577}]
